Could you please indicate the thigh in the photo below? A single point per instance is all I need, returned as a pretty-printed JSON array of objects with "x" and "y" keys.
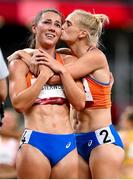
[
  {"x": 67, "y": 168},
  {"x": 83, "y": 169},
  {"x": 106, "y": 161},
  {"x": 31, "y": 163}
]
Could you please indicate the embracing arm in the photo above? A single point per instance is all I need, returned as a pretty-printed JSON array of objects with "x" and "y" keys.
[
  {"x": 74, "y": 91},
  {"x": 71, "y": 89},
  {"x": 22, "y": 97},
  {"x": 83, "y": 66}
]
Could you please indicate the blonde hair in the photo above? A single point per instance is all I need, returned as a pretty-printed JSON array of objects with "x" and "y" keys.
[{"x": 93, "y": 23}]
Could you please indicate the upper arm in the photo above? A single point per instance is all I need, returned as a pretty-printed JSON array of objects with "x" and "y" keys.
[
  {"x": 68, "y": 59},
  {"x": 88, "y": 63},
  {"x": 17, "y": 78},
  {"x": 80, "y": 84}
]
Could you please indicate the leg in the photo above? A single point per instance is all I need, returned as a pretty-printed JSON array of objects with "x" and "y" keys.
[
  {"x": 84, "y": 170},
  {"x": 106, "y": 161},
  {"x": 31, "y": 163},
  {"x": 67, "y": 168}
]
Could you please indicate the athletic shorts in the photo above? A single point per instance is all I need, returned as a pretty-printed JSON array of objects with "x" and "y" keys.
[
  {"x": 88, "y": 141},
  {"x": 54, "y": 146}
]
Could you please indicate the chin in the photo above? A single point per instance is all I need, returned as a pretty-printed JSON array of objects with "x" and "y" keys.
[{"x": 50, "y": 42}]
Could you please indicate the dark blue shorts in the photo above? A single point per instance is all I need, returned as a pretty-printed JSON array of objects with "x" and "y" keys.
[
  {"x": 88, "y": 141},
  {"x": 54, "y": 146}
]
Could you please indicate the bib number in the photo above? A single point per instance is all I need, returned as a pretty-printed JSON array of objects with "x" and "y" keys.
[
  {"x": 104, "y": 136},
  {"x": 25, "y": 137}
]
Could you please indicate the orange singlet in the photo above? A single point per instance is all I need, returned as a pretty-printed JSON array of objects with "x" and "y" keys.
[
  {"x": 50, "y": 94},
  {"x": 101, "y": 93}
]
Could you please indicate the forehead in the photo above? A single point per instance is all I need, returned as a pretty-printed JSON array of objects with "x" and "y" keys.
[
  {"x": 73, "y": 18},
  {"x": 52, "y": 16}
]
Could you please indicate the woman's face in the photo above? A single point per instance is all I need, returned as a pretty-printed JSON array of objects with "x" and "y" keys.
[
  {"x": 48, "y": 30},
  {"x": 70, "y": 29}
]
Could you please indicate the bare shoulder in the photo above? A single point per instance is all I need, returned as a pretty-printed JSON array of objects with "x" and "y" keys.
[
  {"x": 17, "y": 66},
  {"x": 97, "y": 53},
  {"x": 97, "y": 56}
]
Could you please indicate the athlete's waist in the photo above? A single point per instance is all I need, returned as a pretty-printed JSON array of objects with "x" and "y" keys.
[
  {"x": 85, "y": 127},
  {"x": 94, "y": 131},
  {"x": 90, "y": 119},
  {"x": 50, "y": 125}
]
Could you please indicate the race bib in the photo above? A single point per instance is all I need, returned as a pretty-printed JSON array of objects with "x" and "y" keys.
[
  {"x": 87, "y": 90},
  {"x": 49, "y": 91},
  {"x": 104, "y": 135}
]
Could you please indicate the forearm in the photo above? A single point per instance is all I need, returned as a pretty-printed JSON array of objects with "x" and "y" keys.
[
  {"x": 74, "y": 93},
  {"x": 56, "y": 78},
  {"x": 25, "y": 99}
]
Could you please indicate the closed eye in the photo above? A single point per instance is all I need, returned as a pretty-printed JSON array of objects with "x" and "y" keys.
[{"x": 68, "y": 23}]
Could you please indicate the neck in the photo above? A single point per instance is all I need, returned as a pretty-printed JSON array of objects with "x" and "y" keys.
[
  {"x": 78, "y": 49},
  {"x": 50, "y": 51}
]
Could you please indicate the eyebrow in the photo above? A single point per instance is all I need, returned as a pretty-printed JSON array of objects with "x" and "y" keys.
[{"x": 51, "y": 20}]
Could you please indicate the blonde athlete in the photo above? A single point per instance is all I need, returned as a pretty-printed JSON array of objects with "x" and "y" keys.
[
  {"x": 48, "y": 146},
  {"x": 98, "y": 143}
]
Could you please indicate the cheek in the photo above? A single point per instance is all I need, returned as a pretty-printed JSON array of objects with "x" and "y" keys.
[
  {"x": 67, "y": 32},
  {"x": 59, "y": 33}
]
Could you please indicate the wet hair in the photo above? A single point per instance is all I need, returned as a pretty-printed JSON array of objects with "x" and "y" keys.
[
  {"x": 93, "y": 23},
  {"x": 35, "y": 21}
]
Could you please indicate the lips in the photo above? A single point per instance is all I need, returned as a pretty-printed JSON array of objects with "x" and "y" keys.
[{"x": 49, "y": 35}]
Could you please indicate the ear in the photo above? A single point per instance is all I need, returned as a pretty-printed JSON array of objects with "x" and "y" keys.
[
  {"x": 83, "y": 34},
  {"x": 34, "y": 28}
]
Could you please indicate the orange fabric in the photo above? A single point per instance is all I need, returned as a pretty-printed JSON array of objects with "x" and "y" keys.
[
  {"x": 101, "y": 94},
  {"x": 28, "y": 79},
  {"x": 58, "y": 58},
  {"x": 29, "y": 76}
]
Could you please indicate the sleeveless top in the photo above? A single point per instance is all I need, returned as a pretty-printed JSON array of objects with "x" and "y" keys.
[
  {"x": 98, "y": 94},
  {"x": 50, "y": 94}
]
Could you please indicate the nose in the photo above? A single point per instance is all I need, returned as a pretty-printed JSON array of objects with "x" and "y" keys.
[
  {"x": 63, "y": 26},
  {"x": 51, "y": 28}
]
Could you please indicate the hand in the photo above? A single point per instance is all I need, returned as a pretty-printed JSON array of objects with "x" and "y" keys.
[
  {"x": 46, "y": 71},
  {"x": 20, "y": 55},
  {"x": 52, "y": 63},
  {"x": 15, "y": 55},
  {"x": 35, "y": 60}
]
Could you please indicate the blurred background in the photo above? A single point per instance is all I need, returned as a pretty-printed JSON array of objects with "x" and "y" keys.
[{"x": 117, "y": 40}]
